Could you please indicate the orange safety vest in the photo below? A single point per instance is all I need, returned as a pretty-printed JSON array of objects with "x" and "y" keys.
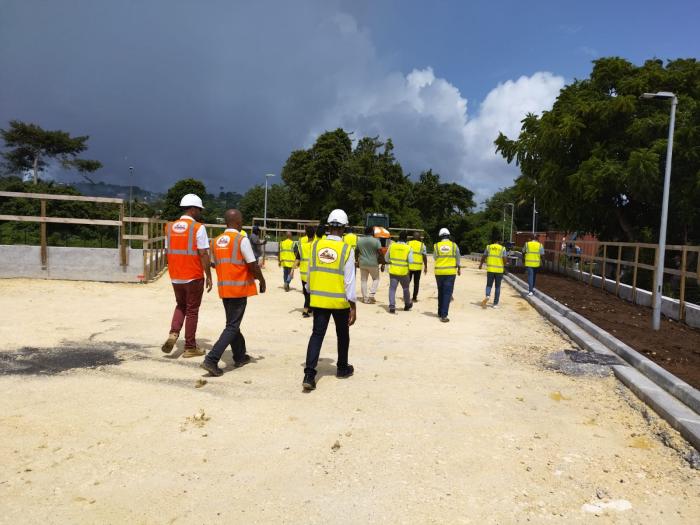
[
  {"x": 183, "y": 257},
  {"x": 232, "y": 273}
]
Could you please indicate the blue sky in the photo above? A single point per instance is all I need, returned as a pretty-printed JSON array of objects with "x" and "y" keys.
[{"x": 223, "y": 90}]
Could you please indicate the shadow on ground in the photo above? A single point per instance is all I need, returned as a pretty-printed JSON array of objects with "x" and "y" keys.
[{"x": 49, "y": 361}]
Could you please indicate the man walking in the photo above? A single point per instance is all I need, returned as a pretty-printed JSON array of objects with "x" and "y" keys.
[
  {"x": 420, "y": 262},
  {"x": 236, "y": 271},
  {"x": 532, "y": 254},
  {"x": 369, "y": 257},
  {"x": 258, "y": 244},
  {"x": 286, "y": 259},
  {"x": 447, "y": 267},
  {"x": 302, "y": 252},
  {"x": 495, "y": 258},
  {"x": 399, "y": 256},
  {"x": 188, "y": 263},
  {"x": 332, "y": 288}
]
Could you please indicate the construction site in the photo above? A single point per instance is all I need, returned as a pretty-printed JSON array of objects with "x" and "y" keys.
[{"x": 540, "y": 411}]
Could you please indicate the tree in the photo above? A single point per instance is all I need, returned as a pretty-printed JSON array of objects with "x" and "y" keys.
[
  {"x": 252, "y": 204},
  {"x": 171, "y": 204},
  {"x": 595, "y": 161},
  {"x": 32, "y": 147}
]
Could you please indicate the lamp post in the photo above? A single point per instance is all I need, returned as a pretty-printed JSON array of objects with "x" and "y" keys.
[
  {"x": 131, "y": 192},
  {"x": 267, "y": 176},
  {"x": 512, "y": 212},
  {"x": 659, "y": 273},
  {"x": 534, "y": 213}
]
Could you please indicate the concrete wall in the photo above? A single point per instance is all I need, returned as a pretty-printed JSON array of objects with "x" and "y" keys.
[
  {"x": 76, "y": 264},
  {"x": 669, "y": 307}
]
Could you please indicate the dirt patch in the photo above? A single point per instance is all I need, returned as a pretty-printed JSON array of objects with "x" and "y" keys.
[
  {"x": 676, "y": 347},
  {"x": 33, "y": 361}
]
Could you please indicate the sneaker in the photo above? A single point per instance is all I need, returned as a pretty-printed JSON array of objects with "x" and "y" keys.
[
  {"x": 193, "y": 352},
  {"x": 242, "y": 361},
  {"x": 444, "y": 319},
  {"x": 484, "y": 301},
  {"x": 530, "y": 294},
  {"x": 211, "y": 368},
  {"x": 495, "y": 306},
  {"x": 309, "y": 382},
  {"x": 415, "y": 299},
  {"x": 372, "y": 300},
  {"x": 407, "y": 307},
  {"x": 306, "y": 315},
  {"x": 286, "y": 287},
  {"x": 169, "y": 343},
  {"x": 392, "y": 310},
  {"x": 345, "y": 371}
]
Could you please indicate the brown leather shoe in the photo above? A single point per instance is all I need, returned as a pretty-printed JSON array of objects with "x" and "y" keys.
[
  {"x": 193, "y": 352},
  {"x": 169, "y": 343}
]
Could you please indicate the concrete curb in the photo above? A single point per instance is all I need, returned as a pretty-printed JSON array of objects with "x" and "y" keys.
[{"x": 673, "y": 399}]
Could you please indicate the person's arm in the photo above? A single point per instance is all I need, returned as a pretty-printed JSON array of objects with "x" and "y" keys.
[
  {"x": 410, "y": 256},
  {"x": 504, "y": 256},
  {"x": 483, "y": 258},
  {"x": 252, "y": 262},
  {"x": 297, "y": 255},
  {"x": 350, "y": 292},
  {"x": 424, "y": 253},
  {"x": 458, "y": 259},
  {"x": 202, "y": 242}
]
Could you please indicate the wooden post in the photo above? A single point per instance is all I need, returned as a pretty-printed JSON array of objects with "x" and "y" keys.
[
  {"x": 605, "y": 260},
  {"x": 634, "y": 274},
  {"x": 681, "y": 303},
  {"x": 144, "y": 251},
  {"x": 122, "y": 245},
  {"x": 42, "y": 235},
  {"x": 617, "y": 271}
]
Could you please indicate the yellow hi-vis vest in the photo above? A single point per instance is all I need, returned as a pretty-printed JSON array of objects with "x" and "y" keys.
[
  {"x": 304, "y": 255},
  {"x": 351, "y": 239},
  {"x": 532, "y": 254},
  {"x": 417, "y": 248},
  {"x": 287, "y": 257},
  {"x": 445, "y": 257},
  {"x": 398, "y": 258},
  {"x": 494, "y": 258},
  {"x": 327, "y": 274}
]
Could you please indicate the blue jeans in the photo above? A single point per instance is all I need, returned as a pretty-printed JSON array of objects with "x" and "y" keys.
[
  {"x": 531, "y": 277},
  {"x": 287, "y": 274},
  {"x": 445, "y": 286},
  {"x": 490, "y": 279}
]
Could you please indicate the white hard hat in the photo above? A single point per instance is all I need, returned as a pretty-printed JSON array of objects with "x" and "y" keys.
[
  {"x": 338, "y": 217},
  {"x": 443, "y": 232},
  {"x": 190, "y": 200}
]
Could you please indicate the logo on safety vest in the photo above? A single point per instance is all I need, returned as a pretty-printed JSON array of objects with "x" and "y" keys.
[
  {"x": 445, "y": 249},
  {"x": 223, "y": 241},
  {"x": 180, "y": 227},
  {"x": 328, "y": 255}
]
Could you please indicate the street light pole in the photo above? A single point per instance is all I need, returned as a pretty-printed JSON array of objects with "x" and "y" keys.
[
  {"x": 512, "y": 212},
  {"x": 660, "y": 260},
  {"x": 267, "y": 176},
  {"x": 131, "y": 192},
  {"x": 534, "y": 212}
]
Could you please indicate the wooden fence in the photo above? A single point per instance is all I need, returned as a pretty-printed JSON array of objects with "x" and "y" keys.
[
  {"x": 616, "y": 260},
  {"x": 279, "y": 226}
]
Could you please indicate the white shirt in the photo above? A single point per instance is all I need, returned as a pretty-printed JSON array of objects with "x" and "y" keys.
[
  {"x": 202, "y": 244},
  {"x": 246, "y": 247},
  {"x": 348, "y": 271}
]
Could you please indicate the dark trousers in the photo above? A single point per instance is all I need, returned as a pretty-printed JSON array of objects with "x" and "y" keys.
[
  {"x": 492, "y": 278},
  {"x": 231, "y": 336},
  {"x": 188, "y": 298},
  {"x": 415, "y": 277},
  {"x": 445, "y": 286},
  {"x": 322, "y": 317},
  {"x": 307, "y": 296},
  {"x": 287, "y": 274}
]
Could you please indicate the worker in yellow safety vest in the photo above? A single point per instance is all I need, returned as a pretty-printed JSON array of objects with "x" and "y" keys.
[
  {"x": 495, "y": 258},
  {"x": 420, "y": 262},
  {"x": 302, "y": 252},
  {"x": 351, "y": 239},
  {"x": 399, "y": 256},
  {"x": 447, "y": 267},
  {"x": 332, "y": 288},
  {"x": 236, "y": 271},
  {"x": 532, "y": 255},
  {"x": 286, "y": 259}
]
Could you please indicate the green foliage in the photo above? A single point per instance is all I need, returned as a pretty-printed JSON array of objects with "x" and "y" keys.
[
  {"x": 252, "y": 204},
  {"x": 171, "y": 210},
  {"x": 30, "y": 146},
  {"x": 596, "y": 160}
]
